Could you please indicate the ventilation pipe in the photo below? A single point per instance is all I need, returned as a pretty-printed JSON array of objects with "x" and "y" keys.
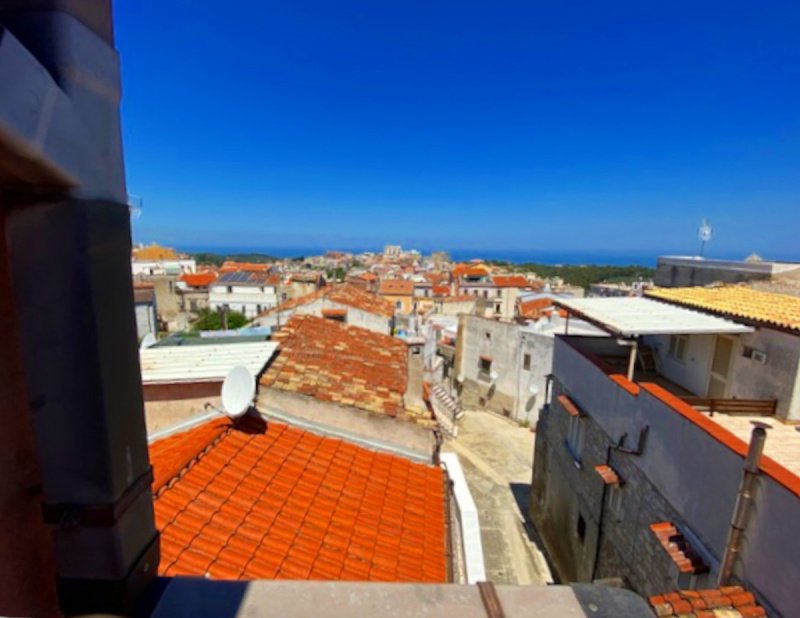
[{"x": 744, "y": 500}]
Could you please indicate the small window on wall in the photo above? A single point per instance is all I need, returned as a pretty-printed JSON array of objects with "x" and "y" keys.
[
  {"x": 484, "y": 368},
  {"x": 678, "y": 346},
  {"x": 526, "y": 362}
]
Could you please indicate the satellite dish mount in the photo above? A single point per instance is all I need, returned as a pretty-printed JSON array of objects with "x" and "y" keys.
[{"x": 238, "y": 392}]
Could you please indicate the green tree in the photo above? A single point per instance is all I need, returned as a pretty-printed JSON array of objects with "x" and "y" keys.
[{"x": 212, "y": 320}]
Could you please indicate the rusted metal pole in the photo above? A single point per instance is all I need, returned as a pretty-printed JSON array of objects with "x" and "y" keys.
[{"x": 744, "y": 500}]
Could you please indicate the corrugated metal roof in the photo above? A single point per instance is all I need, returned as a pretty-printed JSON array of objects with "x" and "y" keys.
[
  {"x": 208, "y": 363},
  {"x": 631, "y": 317}
]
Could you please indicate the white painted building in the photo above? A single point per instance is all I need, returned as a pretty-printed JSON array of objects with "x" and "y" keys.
[
  {"x": 249, "y": 293},
  {"x": 178, "y": 266}
]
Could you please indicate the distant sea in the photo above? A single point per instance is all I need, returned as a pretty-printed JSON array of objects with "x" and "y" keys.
[
  {"x": 641, "y": 258},
  {"x": 600, "y": 257}
]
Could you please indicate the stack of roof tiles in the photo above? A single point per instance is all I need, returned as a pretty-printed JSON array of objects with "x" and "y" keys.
[
  {"x": 676, "y": 545},
  {"x": 342, "y": 364},
  {"x": 260, "y": 501},
  {"x": 768, "y": 308},
  {"x": 725, "y": 602},
  {"x": 607, "y": 474}
]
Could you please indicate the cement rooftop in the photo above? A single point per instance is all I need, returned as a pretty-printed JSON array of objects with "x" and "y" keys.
[{"x": 783, "y": 441}]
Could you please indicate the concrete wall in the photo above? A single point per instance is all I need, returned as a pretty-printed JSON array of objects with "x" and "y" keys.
[
  {"x": 146, "y": 319},
  {"x": 748, "y": 378},
  {"x": 674, "y": 272},
  {"x": 250, "y": 300},
  {"x": 693, "y": 373},
  {"x": 373, "y": 430},
  {"x": 688, "y": 473},
  {"x": 501, "y": 340}
]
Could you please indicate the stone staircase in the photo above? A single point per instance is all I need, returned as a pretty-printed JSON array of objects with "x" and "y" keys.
[{"x": 446, "y": 409}]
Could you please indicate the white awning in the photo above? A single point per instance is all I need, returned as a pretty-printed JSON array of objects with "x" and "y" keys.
[
  {"x": 202, "y": 363},
  {"x": 633, "y": 316}
]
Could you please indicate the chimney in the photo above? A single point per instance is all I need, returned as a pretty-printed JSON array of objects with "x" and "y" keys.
[
  {"x": 413, "y": 395},
  {"x": 67, "y": 241}
]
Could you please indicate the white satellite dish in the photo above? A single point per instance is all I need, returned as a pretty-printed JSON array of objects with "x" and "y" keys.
[
  {"x": 238, "y": 391},
  {"x": 493, "y": 376},
  {"x": 533, "y": 390},
  {"x": 148, "y": 341}
]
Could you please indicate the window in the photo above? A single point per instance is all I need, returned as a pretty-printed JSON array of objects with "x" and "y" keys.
[
  {"x": 678, "y": 346},
  {"x": 497, "y": 308},
  {"x": 230, "y": 289},
  {"x": 486, "y": 293},
  {"x": 193, "y": 305},
  {"x": 575, "y": 439},
  {"x": 499, "y": 293},
  {"x": 398, "y": 304},
  {"x": 526, "y": 362},
  {"x": 488, "y": 335},
  {"x": 484, "y": 368},
  {"x": 581, "y": 530}
]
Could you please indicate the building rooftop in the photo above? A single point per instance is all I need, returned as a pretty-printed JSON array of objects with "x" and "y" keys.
[
  {"x": 632, "y": 317},
  {"x": 783, "y": 440},
  {"x": 202, "y": 363},
  {"x": 341, "y": 364},
  {"x": 247, "y": 277},
  {"x": 198, "y": 280},
  {"x": 268, "y": 501},
  {"x": 440, "y": 290},
  {"x": 734, "y": 301},
  {"x": 397, "y": 287},
  {"x": 514, "y": 281},
  {"x": 231, "y": 266},
  {"x": 345, "y": 294},
  {"x": 728, "y": 601},
  {"x": 154, "y": 252}
]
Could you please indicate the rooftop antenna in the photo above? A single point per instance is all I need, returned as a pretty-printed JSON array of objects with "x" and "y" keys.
[
  {"x": 703, "y": 234},
  {"x": 238, "y": 392}
]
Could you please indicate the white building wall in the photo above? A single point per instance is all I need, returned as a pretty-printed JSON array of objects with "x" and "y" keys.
[{"x": 250, "y": 300}]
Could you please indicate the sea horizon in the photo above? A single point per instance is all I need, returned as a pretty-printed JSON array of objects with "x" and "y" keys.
[{"x": 516, "y": 256}]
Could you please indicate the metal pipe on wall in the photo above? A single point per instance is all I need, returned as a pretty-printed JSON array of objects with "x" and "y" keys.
[{"x": 744, "y": 500}]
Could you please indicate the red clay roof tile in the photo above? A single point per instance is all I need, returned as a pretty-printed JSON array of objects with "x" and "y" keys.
[
  {"x": 343, "y": 364},
  {"x": 255, "y": 514}
]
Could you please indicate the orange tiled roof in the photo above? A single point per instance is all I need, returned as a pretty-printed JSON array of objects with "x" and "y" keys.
[
  {"x": 534, "y": 308},
  {"x": 345, "y": 294},
  {"x": 437, "y": 278},
  {"x": 441, "y": 290},
  {"x": 199, "y": 280},
  {"x": 474, "y": 270},
  {"x": 270, "y": 501},
  {"x": 231, "y": 266},
  {"x": 732, "y": 600},
  {"x": 347, "y": 365},
  {"x": 155, "y": 252},
  {"x": 768, "y": 308},
  {"x": 397, "y": 287},
  {"x": 510, "y": 281},
  {"x": 367, "y": 276}
]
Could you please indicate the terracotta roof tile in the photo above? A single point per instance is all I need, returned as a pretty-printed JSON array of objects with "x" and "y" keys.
[
  {"x": 231, "y": 266},
  {"x": 440, "y": 290},
  {"x": 284, "y": 503},
  {"x": 568, "y": 405},
  {"x": 154, "y": 252},
  {"x": 397, "y": 287},
  {"x": 199, "y": 280},
  {"x": 768, "y": 308},
  {"x": 345, "y": 294},
  {"x": 678, "y": 548},
  {"x": 607, "y": 474},
  {"x": 714, "y": 603},
  {"x": 343, "y": 364},
  {"x": 511, "y": 281}
]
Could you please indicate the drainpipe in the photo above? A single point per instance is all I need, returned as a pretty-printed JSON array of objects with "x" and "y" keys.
[{"x": 743, "y": 501}]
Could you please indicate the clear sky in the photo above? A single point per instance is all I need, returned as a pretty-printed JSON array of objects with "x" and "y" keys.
[{"x": 486, "y": 125}]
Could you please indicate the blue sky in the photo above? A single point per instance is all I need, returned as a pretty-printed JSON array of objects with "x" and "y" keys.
[{"x": 563, "y": 126}]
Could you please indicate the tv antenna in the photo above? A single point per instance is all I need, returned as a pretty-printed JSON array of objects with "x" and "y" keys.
[
  {"x": 703, "y": 235},
  {"x": 238, "y": 392}
]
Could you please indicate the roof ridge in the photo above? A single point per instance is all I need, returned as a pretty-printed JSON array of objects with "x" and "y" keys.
[{"x": 185, "y": 458}]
